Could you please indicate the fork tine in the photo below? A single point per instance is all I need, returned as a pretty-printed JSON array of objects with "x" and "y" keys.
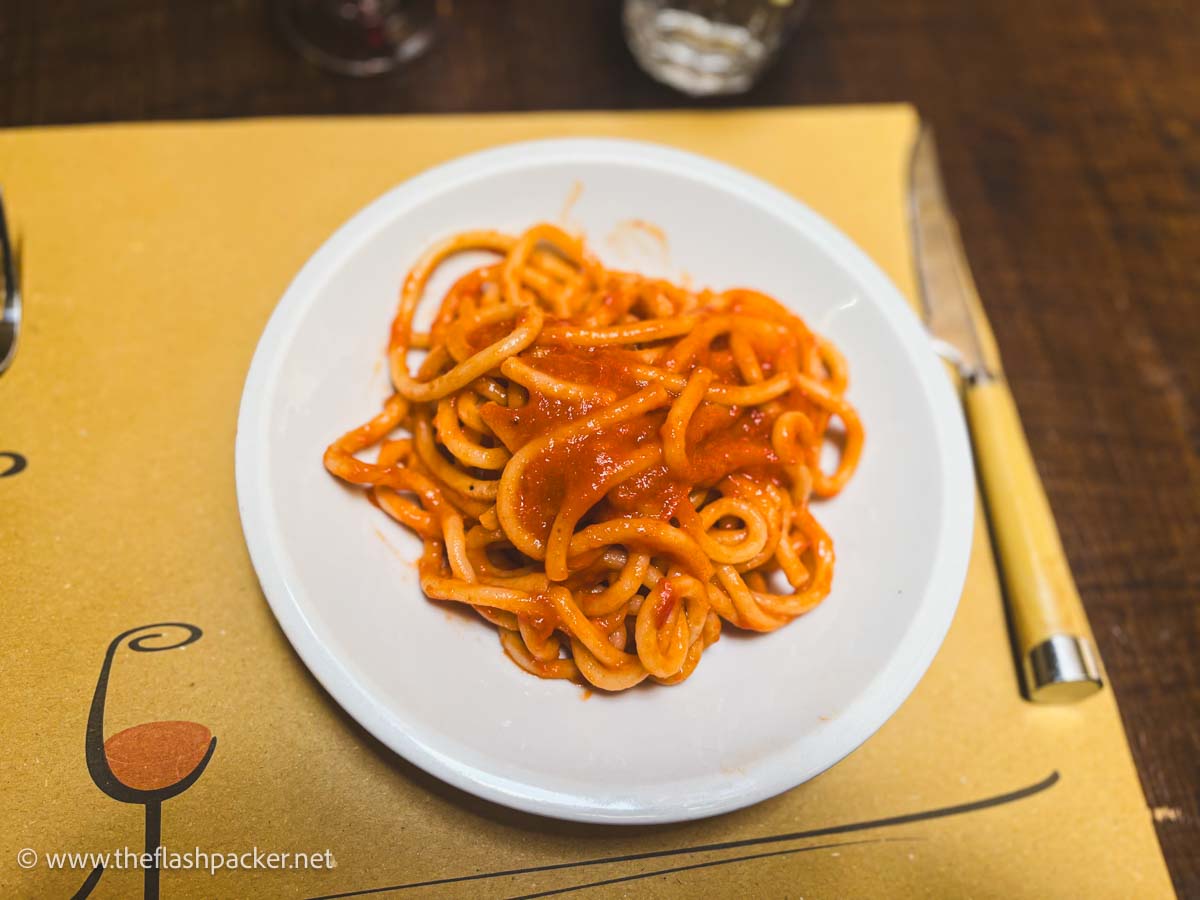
[{"x": 10, "y": 317}]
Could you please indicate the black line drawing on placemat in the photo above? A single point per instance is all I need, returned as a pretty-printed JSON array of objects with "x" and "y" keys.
[
  {"x": 890, "y": 822},
  {"x": 14, "y": 463},
  {"x": 148, "y": 763}
]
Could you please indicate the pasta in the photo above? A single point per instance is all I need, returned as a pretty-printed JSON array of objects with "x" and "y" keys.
[{"x": 604, "y": 465}]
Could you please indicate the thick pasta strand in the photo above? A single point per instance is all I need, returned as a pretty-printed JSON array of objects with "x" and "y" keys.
[{"x": 606, "y": 466}]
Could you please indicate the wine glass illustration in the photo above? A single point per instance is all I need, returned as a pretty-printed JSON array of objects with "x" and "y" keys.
[{"x": 151, "y": 762}]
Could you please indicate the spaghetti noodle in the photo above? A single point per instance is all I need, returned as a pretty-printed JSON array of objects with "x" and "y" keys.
[{"x": 606, "y": 465}]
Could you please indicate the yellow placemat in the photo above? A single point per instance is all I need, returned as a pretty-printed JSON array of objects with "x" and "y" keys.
[{"x": 152, "y": 258}]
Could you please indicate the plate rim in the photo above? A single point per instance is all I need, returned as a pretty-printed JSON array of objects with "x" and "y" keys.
[{"x": 774, "y": 773}]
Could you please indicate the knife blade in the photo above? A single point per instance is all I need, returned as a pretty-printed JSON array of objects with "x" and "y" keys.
[{"x": 947, "y": 290}]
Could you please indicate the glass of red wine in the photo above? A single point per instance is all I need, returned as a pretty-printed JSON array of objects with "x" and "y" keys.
[
  {"x": 148, "y": 763},
  {"x": 358, "y": 37}
]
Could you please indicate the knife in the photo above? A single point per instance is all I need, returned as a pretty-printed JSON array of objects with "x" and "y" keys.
[{"x": 1058, "y": 660}]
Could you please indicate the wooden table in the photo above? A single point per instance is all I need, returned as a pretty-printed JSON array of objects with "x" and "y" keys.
[{"x": 1070, "y": 135}]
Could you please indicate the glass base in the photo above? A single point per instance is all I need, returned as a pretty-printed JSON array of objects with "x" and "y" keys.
[
  {"x": 357, "y": 37},
  {"x": 692, "y": 53}
]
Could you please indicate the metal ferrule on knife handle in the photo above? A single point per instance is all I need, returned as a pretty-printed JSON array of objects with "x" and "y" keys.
[{"x": 1050, "y": 627}]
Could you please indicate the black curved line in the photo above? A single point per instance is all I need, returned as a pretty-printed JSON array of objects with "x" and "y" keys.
[
  {"x": 705, "y": 865},
  {"x": 97, "y": 760},
  {"x": 180, "y": 786},
  {"x": 89, "y": 884},
  {"x": 906, "y": 819},
  {"x": 19, "y": 463},
  {"x": 138, "y": 643}
]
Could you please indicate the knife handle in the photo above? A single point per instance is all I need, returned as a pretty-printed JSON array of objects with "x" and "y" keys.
[{"x": 1058, "y": 660}]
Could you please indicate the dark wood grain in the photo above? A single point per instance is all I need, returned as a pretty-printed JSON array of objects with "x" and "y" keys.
[{"x": 1070, "y": 133}]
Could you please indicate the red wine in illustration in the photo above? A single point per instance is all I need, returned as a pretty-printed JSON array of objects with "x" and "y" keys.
[{"x": 148, "y": 763}]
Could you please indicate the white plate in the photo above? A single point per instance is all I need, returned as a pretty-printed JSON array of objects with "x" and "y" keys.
[{"x": 762, "y": 713}]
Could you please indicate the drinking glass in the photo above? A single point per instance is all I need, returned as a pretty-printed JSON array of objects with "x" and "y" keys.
[
  {"x": 706, "y": 47},
  {"x": 148, "y": 763},
  {"x": 358, "y": 37}
]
